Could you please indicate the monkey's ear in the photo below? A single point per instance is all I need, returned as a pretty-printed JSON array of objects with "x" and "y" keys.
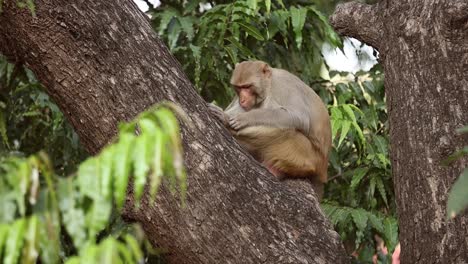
[{"x": 266, "y": 70}]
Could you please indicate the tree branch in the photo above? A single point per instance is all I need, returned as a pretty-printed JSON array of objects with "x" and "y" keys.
[{"x": 360, "y": 21}]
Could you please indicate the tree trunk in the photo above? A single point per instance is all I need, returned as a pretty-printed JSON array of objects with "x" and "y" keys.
[
  {"x": 102, "y": 63},
  {"x": 423, "y": 46}
]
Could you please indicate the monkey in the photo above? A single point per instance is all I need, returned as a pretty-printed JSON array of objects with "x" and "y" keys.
[{"x": 279, "y": 120}]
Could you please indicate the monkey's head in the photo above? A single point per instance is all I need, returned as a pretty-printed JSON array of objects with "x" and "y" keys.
[{"x": 251, "y": 81}]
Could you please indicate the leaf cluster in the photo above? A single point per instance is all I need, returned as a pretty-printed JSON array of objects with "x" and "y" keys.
[
  {"x": 42, "y": 211},
  {"x": 209, "y": 42},
  {"x": 31, "y": 122},
  {"x": 458, "y": 195}
]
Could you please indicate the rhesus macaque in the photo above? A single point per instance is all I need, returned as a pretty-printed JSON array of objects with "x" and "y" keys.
[{"x": 280, "y": 120}]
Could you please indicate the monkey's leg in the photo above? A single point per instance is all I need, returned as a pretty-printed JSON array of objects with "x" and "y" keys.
[{"x": 292, "y": 154}]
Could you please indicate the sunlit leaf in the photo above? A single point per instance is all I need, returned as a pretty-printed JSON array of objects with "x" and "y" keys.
[
  {"x": 298, "y": 16},
  {"x": 30, "y": 249},
  {"x": 122, "y": 166},
  {"x": 141, "y": 163},
  {"x": 135, "y": 248},
  {"x": 98, "y": 216},
  {"x": 252, "y": 31},
  {"x": 15, "y": 241},
  {"x": 345, "y": 126},
  {"x": 458, "y": 195}
]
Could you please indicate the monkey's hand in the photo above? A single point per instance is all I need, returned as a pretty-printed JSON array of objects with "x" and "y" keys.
[
  {"x": 218, "y": 113},
  {"x": 239, "y": 121}
]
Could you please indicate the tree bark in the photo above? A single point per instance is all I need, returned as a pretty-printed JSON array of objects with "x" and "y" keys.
[
  {"x": 102, "y": 63},
  {"x": 423, "y": 45}
]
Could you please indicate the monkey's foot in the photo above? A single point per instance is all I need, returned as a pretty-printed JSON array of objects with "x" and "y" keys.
[{"x": 273, "y": 170}]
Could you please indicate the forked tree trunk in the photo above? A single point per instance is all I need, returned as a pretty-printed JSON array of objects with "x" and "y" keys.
[
  {"x": 423, "y": 46},
  {"x": 102, "y": 63}
]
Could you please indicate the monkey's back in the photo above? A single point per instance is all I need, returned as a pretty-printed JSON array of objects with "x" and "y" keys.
[{"x": 292, "y": 92}]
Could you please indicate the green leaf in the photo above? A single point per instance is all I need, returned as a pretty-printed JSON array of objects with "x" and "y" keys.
[
  {"x": 381, "y": 189},
  {"x": 74, "y": 221},
  {"x": 30, "y": 250},
  {"x": 105, "y": 160},
  {"x": 455, "y": 156},
  {"x": 241, "y": 48},
  {"x": 108, "y": 251},
  {"x": 186, "y": 24},
  {"x": 358, "y": 174},
  {"x": 157, "y": 173},
  {"x": 268, "y": 6},
  {"x": 88, "y": 178},
  {"x": 15, "y": 241},
  {"x": 372, "y": 184},
  {"x": 359, "y": 218},
  {"x": 73, "y": 260},
  {"x": 141, "y": 163},
  {"x": 336, "y": 214},
  {"x": 3, "y": 131},
  {"x": 458, "y": 195},
  {"x": 376, "y": 222},
  {"x": 122, "y": 166},
  {"x": 4, "y": 228},
  {"x": 333, "y": 38},
  {"x": 89, "y": 253},
  {"x": 298, "y": 16},
  {"x": 345, "y": 126},
  {"x": 165, "y": 19},
  {"x": 336, "y": 120},
  {"x": 126, "y": 253},
  {"x": 252, "y": 31},
  {"x": 98, "y": 216},
  {"x": 349, "y": 112},
  {"x": 462, "y": 130},
  {"x": 135, "y": 248},
  {"x": 390, "y": 233},
  {"x": 252, "y": 4},
  {"x": 231, "y": 55}
]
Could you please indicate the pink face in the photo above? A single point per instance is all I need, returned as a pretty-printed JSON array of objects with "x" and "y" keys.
[{"x": 246, "y": 96}]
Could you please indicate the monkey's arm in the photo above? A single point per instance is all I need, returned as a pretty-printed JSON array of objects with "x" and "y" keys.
[{"x": 276, "y": 117}]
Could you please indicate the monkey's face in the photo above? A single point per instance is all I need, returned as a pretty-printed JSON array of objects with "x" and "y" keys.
[
  {"x": 247, "y": 97},
  {"x": 251, "y": 80}
]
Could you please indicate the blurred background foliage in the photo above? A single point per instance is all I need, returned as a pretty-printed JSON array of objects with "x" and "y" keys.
[{"x": 208, "y": 38}]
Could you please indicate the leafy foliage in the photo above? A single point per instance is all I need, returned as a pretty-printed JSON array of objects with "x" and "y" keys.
[
  {"x": 37, "y": 203},
  {"x": 360, "y": 163},
  {"x": 274, "y": 31},
  {"x": 289, "y": 35},
  {"x": 458, "y": 196},
  {"x": 30, "y": 121}
]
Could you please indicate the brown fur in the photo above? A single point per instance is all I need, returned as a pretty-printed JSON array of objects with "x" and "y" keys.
[
  {"x": 287, "y": 150},
  {"x": 287, "y": 128}
]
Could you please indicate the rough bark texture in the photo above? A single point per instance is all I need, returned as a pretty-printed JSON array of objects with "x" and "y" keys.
[
  {"x": 424, "y": 49},
  {"x": 102, "y": 63}
]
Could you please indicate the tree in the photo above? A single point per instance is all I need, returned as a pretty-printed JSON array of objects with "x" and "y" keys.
[
  {"x": 102, "y": 63},
  {"x": 423, "y": 46}
]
